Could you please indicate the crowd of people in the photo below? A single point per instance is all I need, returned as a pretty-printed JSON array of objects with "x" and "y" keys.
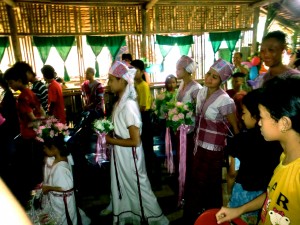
[{"x": 253, "y": 129}]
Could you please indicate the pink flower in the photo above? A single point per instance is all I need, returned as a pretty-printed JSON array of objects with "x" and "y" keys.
[
  {"x": 179, "y": 104},
  {"x": 175, "y": 118},
  {"x": 181, "y": 116}
]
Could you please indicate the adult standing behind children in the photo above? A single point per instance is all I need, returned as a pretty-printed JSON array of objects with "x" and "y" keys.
[
  {"x": 93, "y": 95},
  {"x": 279, "y": 121},
  {"x": 215, "y": 113},
  {"x": 132, "y": 197},
  {"x": 272, "y": 47},
  {"x": 28, "y": 158},
  {"x": 56, "y": 105},
  {"x": 38, "y": 87}
]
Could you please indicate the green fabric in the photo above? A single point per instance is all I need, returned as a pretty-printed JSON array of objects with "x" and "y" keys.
[
  {"x": 112, "y": 43},
  {"x": 43, "y": 45},
  {"x": 166, "y": 44},
  {"x": 216, "y": 40},
  {"x": 63, "y": 45},
  {"x": 231, "y": 39},
  {"x": 3, "y": 45}
]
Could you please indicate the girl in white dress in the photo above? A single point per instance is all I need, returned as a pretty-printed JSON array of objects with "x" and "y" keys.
[
  {"x": 132, "y": 198},
  {"x": 58, "y": 184}
]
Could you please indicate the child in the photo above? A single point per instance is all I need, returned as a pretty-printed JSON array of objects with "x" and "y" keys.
[
  {"x": 56, "y": 104},
  {"x": 258, "y": 158},
  {"x": 58, "y": 185},
  {"x": 28, "y": 158},
  {"x": 132, "y": 198},
  {"x": 215, "y": 112},
  {"x": 279, "y": 121}
]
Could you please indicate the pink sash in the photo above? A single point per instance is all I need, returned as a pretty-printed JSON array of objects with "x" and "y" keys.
[{"x": 169, "y": 163}]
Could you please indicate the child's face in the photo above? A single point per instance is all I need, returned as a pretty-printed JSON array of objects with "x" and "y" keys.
[
  {"x": 237, "y": 82},
  {"x": 15, "y": 84},
  {"x": 212, "y": 79},
  {"x": 271, "y": 52},
  {"x": 171, "y": 84},
  {"x": 268, "y": 126},
  {"x": 115, "y": 84},
  {"x": 138, "y": 75},
  {"x": 249, "y": 121},
  {"x": 48, "y": 151}
]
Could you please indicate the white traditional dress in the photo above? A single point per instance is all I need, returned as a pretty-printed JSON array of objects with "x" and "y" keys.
[
  {"x": 60, "y": 175},
  {"x": 130, "y": 186},
  {"x": 189, "y": 94}
]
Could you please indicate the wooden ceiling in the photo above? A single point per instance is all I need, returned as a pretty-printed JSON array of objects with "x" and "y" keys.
[{"x": 114, "y": 17}]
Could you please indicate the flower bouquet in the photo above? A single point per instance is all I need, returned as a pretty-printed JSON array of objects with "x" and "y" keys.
[
  {"x": 49, "y": 128},
  {"x": 179, "y": 114},
  {"x": 160, "y": 104},
  {"x": 101, "y": 127}
]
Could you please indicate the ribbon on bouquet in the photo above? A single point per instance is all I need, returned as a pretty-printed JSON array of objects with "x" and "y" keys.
[
  {"x": 101, "y": 148},
  {"x": 183, "y": 129},
  {"x": 169, "y": 163}
]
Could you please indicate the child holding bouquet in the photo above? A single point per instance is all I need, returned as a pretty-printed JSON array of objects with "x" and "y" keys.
[
  {"x": 58, "y": 186},
  {"x": 129, "y": 182}
]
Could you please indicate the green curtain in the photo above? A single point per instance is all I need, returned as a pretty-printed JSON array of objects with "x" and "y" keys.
[
  {"x": 231, "y": 39},
  {"x": 43, "y": 45},
  {"x": 216, "y": 40},
  {"x": 112, "y": 43},
  {"x": 63, "y": 45},
  {"x": 166, "y": 43},
  {"x": 3, "y": 45}
]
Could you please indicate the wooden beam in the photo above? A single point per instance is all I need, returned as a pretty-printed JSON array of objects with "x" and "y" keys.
[
  {"x": 150, "y": 4},
  {"x": 263, "y": 3},
  {"x": 10, "y": 2}
]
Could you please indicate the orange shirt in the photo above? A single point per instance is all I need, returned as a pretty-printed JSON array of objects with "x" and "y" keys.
[{"x": 55, "y": 96}]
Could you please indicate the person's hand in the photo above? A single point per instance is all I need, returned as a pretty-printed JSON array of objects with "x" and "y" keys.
[
  {"x": 108, "y": 139},
  {"x": 227, "y": 214},
  {"x": 45, "y": 189}
]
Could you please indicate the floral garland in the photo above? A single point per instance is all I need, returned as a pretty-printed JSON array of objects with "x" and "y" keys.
[
  {"x": 49, "y": 128},
  {"x": 103, "y": 126}
]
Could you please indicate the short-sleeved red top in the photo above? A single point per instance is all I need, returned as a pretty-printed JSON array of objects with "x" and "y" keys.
[
  {"x": 55, "y": 95},
  {"x": 27, "y": 102}
]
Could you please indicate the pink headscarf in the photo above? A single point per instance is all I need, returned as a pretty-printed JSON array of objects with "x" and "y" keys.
[
  {"x": 188, "y": 63},
  {"x": 223, "y": 68}
]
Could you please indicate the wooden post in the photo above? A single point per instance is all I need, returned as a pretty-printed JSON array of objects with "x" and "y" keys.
[
  {"x": 144, "y": 30},
  {"x": 14, "y": 33},
  {"x": 254, "y": 35}
]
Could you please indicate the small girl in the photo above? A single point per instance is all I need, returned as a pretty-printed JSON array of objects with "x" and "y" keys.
[
  {"x": 171, "y": 83},
  {"x": 58, "y": 185},
  {"x": 279, "y": 121},
  {"x": 132, "y": 198},
  {"x": 258, "y": 158}
]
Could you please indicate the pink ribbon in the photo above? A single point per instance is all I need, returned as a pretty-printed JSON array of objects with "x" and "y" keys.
[
  {"x": 169, "y": 163},
  {"x": 183, "y": 129},
  {"x": 100, "y": 148}
]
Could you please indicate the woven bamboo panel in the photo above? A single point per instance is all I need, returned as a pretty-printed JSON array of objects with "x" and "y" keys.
[
  {"x": 4, "y": 25},
  {"x": 196, "y": 19}
]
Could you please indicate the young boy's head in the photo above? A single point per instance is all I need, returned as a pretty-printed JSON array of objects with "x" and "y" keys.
[
  {"x": 238, "y": 79},
  {"x": 15, "y": 80},
  {"x": 26, "y": 69},
  {"x": 250, "y": 114},
  {"x": 48, "y": 73},
  {"x": 140, "y": 67}
]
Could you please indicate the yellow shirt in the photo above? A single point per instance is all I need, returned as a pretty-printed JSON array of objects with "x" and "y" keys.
[
  {"x": 144, "y": 97},
  {"x": 282, "y": 204}
]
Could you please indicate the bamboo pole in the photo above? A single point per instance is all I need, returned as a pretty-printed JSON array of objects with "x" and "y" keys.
[
  {"x": 254, "y": 37},
  {"x": 14, "y": 33}
]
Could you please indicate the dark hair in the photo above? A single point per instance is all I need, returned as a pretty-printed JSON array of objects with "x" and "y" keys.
[
  {"x": 48, "y": 72},
  {"x": 297, "y": 63},
  {"x": 239, "y": 74},
  {"x": 281, "y": 97},
  {"x": 23, "y": 67},
  {"x": 241, "y": 54},
  {"x": 127, "y": 56},
  {"x": 279, "y": 35},
  {"x": 59, "y": 143},
  {"x": 137, "y": 63},
  {"x": 3, "y": 82},
  {"x": 171, "y": 76},
  {"x": 12, "y": 74},
  {"x": 251, "y": 101}
]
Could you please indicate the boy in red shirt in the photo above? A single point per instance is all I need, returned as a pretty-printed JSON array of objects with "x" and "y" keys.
[
  {"x": 56, "y": 105},
  {"x": 28, "y": 158}
]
